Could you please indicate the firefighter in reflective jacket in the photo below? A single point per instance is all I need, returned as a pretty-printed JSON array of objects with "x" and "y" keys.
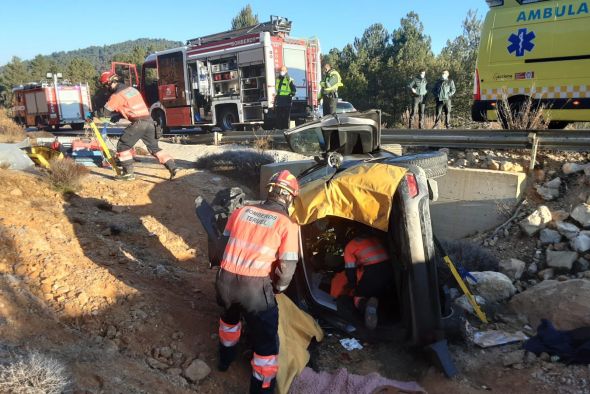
[
  {"x": 285, "y": 88},
  {"x": 369, "y": 273},
  {"x": 259, "y": 260},
  {"x": 329, "y": 89},
  {"x": 128, "y": 103}
]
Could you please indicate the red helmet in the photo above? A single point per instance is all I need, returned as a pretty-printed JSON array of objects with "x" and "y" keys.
[
  {"x": 286, "y": 181},
  {"x": 107, "y": 77}
]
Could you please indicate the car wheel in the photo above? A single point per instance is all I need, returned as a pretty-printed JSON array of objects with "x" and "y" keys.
[
  {"x": 227, "y": 117},
  {"x": 434, "y": 164}
]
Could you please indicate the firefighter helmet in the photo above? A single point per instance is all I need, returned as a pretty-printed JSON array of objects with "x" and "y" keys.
[
  {"x": 286, "y": 181},
  {"x": 107, "y": 77}
]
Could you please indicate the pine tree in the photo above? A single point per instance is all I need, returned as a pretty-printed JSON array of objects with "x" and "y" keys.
[
  {"x": 14, "y": 73},
  {"x": 244, "y": 18}
]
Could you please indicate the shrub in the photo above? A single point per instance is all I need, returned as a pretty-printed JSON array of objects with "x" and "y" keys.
[
  {"x": 521, "y": 115},
  {"x": 9, "y": 130},
  {"x": 65, "y": 175},
  {"x": 33, "y": 374},
  {"x": 245, "y": 162},
  {"x": 263, "y": 141}
]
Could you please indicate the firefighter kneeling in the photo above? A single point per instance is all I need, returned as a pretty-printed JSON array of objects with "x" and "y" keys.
[
  {"x": 127, "y": 101},
  {"x": 259, "y": 260},
  {"x": 369, "y": 273}
]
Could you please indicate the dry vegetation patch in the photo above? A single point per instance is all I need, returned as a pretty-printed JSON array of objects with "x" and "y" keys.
[{"x": 10, "y": 131}]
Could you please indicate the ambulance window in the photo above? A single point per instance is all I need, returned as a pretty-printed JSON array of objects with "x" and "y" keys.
[
  {"x": 522, "y": 2},
  {"x": 495, "y": 3}
]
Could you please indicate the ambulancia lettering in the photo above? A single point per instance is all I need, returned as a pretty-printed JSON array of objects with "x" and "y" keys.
[{"x": 559, "y": 11}]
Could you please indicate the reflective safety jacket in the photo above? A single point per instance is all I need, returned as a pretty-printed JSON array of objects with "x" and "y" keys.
[
  {"x": 258, "y": 238},
  {"x": 362, "y": 252},
  {"x": 128, "y": 102},
  {"x": 285, "y": 86},
  {"x": 331, "y": 82}
]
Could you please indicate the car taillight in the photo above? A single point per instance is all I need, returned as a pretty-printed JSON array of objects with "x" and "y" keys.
[
  {"x": 476, "y": 86},
  {"x": 412, "y": 185}
]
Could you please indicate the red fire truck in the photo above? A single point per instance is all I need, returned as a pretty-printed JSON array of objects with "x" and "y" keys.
[
  {"x": 228, "y": 79},
  {"x": 51, "y": 105}
]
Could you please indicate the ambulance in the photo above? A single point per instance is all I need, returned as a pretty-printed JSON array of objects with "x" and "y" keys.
[{"x": 535, "y": 49}]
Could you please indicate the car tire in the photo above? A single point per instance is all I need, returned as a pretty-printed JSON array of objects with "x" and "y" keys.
[
  {"x": 227, "y": 117},
  {"x": 434, "y": 164}
]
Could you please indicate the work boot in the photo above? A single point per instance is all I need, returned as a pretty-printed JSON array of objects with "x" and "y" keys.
[
  {"x": 371, "y": 313},
  {"x": 227, "y": 354},
  {"x": 171, "y": 166},
  {"x": 125, "y": 177}
]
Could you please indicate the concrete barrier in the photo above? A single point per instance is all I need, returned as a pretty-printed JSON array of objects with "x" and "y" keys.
[{"x": 472, "y": 200}]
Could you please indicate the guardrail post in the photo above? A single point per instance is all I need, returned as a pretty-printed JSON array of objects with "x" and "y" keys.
[
  {"x": 534, "y": 138},
  {"x": 217, "y": 138}
]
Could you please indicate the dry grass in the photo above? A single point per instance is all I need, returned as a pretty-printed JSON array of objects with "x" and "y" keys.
[
  {"x": 9, "y": 130},
  {"x": 263, "y": 141},
  {"x": 524, "y": 115},
  {"x": 66, "y": 176},
  {"x": 428, "y": 120},
  {"x": 34, "y": 374}
]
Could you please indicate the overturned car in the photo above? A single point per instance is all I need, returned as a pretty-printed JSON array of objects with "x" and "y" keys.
[{"x": 358, "y": 187}]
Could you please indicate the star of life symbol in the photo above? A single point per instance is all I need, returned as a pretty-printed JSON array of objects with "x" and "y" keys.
[{"x": 521, "y": 42}]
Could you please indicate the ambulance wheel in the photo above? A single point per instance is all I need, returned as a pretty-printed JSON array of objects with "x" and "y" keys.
[
  {"x": 558, "y": 125},
  {"x": 227, "y": 117}
]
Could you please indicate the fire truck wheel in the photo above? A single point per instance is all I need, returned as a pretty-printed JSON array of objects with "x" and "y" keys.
[
  {"x": 77, "y": 126},
  {"x": 160, "y": 117},
  {"x": 227, "y": 117}
]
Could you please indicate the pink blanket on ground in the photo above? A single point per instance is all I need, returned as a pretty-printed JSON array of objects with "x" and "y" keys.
[{"x": 341, "y": 382}]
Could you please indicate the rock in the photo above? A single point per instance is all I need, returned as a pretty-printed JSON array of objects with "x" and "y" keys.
[
  {"x": 197, "y": 370},
  {"x": 111, "y": 332},
  {"x": 461, "y": 163},
  {"x": 561, "y": 260},
  {"x": 536, "y": 221},
  {"x": 545, "y": 356},
  {"x": 581, "y": 265},
  {"x": 155, "y": 364},
  {"x": 548, "y": 236},
  {"x": 464, "y": 304},
  {"x": 559, "y": 216},
  {"x": 560, "y": 246},
  {"x": 118, "y": 209},
  {"x": 547, "y": 273},
  {"x": 16, "y": 192},
  {"x": 494, "y": 165},
  {"x": 493, "y": 286},
  {"x": 532, "y": 269},
  {"x": 581, "y": 243},
  {"x": 512, "y": 268},
  {"x": 581, "y": 214},
  {"x": 547, "y": 193},
  {"x": 530, "y": 358},
  {"x": 165, "y": 352},
  {"x": 562, "y": 278},
  {"x": 555, "y": 183},
  {"x": 512, "y": 358},
  {"x": 587, "y": 275},
  {"x": 571, "y": 168},
  {"x": 511, "y": 167},
  {"x": 565, "y": 304},
  {"x": 177, "y": 335},
  {"x": 567, "y": 229},
  {"x": 174, "y": 371}
]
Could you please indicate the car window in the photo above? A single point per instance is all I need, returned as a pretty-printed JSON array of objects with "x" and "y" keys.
[{"x": 307, "y": 141}]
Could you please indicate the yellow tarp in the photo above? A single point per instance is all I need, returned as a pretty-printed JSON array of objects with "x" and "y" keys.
[
  {"x": 296, "y": 329},
  {"x": 363, "y": 194}
]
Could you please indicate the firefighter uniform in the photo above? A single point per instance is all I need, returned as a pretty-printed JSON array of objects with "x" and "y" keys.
[
  {"x": 285, "y": 88},
  {"x": 128, "y": 102},
  {"x": 262, "y": 242},
  {"x": 367, "y": 259},
  {"x": 330, "y": 84}
]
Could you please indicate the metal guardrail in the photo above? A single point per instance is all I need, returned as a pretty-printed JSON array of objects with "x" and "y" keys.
[{"x": 456, "y": 138}]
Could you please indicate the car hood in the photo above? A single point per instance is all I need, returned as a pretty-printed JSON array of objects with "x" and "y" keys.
[
  {"x": 362, "y": 193},
  {"x": 346, "y": 133}
]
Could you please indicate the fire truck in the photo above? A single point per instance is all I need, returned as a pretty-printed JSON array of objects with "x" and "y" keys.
[
  {"x": 228, "y": 79},
  {"x": 51, "y": 105}
]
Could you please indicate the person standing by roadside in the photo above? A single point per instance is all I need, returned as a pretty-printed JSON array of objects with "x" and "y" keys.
[
  {"x": 285, "y": 90},
  {"x": 329, "y": 93},
  {"x": 418, "y": 87},
  {"x": 443, "y": 91}
]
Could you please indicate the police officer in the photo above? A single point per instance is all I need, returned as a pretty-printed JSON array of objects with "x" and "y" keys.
[
  {"x": 443, "y": 91},
  {"x": 418, "y": 88},
  {"x": 329, "y": 89},
  {"x": 369, "y": 273},
  {"x": 259, "y": 260},
  {"x": 285, "y": 90},
  {"x": 127, "y": 102}
]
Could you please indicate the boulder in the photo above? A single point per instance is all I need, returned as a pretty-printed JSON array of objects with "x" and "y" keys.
[
  {"x": 581, "y": 214},
  {"x": 536, "y": 221},
  {"x": 549, "y": 236},
  {"x": 561, "y": 260},
  {"x": 197, "y": 371},
  {"x": 565, "y": 304},
  {"x": 571, "y": 168},
  {"x": 493, "y": 286},
  {"x": 581, "y": 243},
  {"x": 512, "y": 268},
  {"x": 555, "y": 183},
  {"x": 547, "y": 273},
  {"x": 547, "y": 193},
  {"x": 559, "y": 216},
  {"x": 512, "y": 358},
  {"x": 567, "y": 229},
  {"x": 581, "y": 265}
]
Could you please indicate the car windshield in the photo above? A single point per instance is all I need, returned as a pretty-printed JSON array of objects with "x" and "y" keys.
[
  {"x": 344, "y": 106},
  {"x": 309, "y": 141}
]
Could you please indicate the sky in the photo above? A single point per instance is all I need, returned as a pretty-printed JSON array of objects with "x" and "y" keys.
[{"x": 61, "y": 25}]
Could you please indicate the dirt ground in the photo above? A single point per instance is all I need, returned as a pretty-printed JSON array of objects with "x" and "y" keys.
[{"x": 114, "y": 282}]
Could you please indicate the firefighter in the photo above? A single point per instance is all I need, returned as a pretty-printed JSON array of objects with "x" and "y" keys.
[
  {"x": 443, "y": 91},
  {"x": 129, "y": 104},
  {"x": 369, "y": 273},
  {"x": 285, "y": 88},
  {"x": 418, "y": 88},
  {"x": 329, "y": 89},
  {"x": 259, "y": 261}
]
